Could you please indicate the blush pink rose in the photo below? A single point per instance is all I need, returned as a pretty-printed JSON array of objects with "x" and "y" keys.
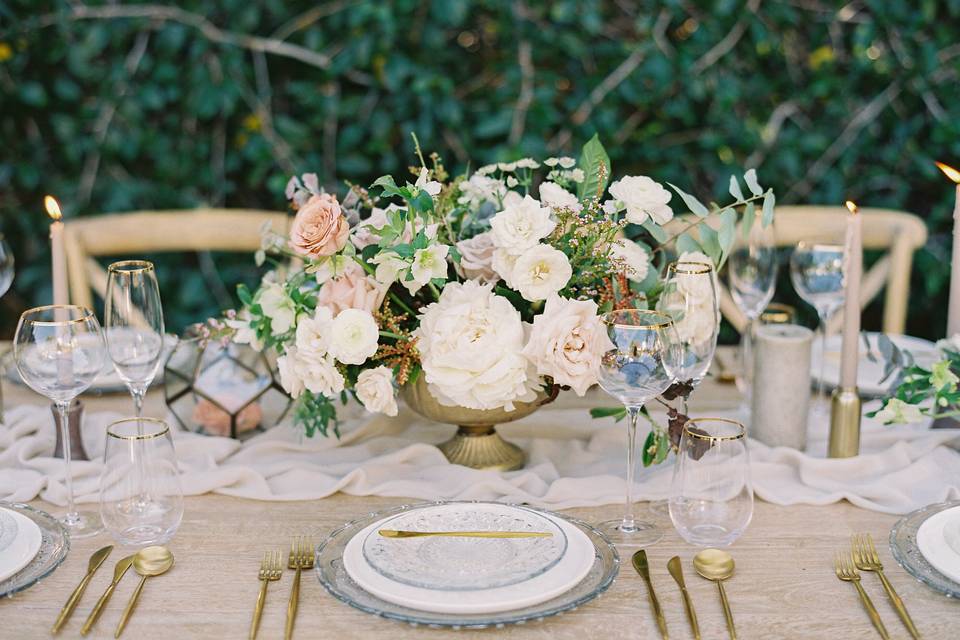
[
  {"x": 320, "y": 228},
  {"x": 351, "y": 289}
]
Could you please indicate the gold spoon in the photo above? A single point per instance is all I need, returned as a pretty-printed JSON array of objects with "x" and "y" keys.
[
  {"x": 717, "y": 565},
  {"x": 149, "y": 561}
]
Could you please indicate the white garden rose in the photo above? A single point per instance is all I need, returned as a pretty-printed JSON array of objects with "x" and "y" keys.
[
  {"x": 521, "y": 226},
  {"x": 642, "y": 198},
  {"x": 540, "y": 272},
  {"x": 567, "y": 342},
  {"x": 503, "y": 263},
  {"x": 277, "y": 306},
  {"x": 375, "y": 390},
  {"x": 476, "y": 257},
  {"x": 470, "y": 344},
  {"x": 289, "y": 377},
  {"x": 318, "y": 374},
  {"x": 313, "y": 334},
  {"x": 556, "y": 197},
  {"x": 633, "y": 257},
  {"x": 353, "y": 336}
]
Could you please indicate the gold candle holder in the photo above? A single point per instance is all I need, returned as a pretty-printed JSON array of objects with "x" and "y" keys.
[{"x": 844, "y": 423}]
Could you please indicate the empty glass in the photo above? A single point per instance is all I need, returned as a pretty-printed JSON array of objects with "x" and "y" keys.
[
  {"x": 59, "y": 351},
  {"x": 636, "y": 371},
  {"x": 133, "y": 318},
  {"x": 711, "y": 501},
  {"x": 141, "y": 502},
  {"x": 816, "y": 270}
]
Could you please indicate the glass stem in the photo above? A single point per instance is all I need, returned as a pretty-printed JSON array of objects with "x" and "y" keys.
[
  {"x": 138, "y": 394},
  {"x": 629, "y": 523},
  {"x": 746, "y": 357},
  {"x": 63, "y": 410},
  {"x": 821, "y": 388}
]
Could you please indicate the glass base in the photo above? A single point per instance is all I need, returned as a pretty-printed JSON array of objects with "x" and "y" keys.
[
  {"x": 143, "y": 536},
  {"x": 82, "y": 524},
  {"x": 641, "y": 534}
]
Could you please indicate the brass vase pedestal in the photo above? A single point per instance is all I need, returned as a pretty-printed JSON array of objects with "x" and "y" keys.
[
  {"x": 481, "y": 447},
  {"x": 844, "y": 423}
]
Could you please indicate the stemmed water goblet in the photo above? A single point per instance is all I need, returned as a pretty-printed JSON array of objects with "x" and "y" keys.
[
  {"x": 6, "y": 279},
  {"x": 634, "y": 372},
  {"x": 59, "y": 351}
]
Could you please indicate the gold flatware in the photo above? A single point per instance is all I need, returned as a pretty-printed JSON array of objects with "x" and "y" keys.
[
  {"x": 95, "y": 561},
  {"x": 300, "y": 558},
  {"x": 118, "y": 571},
  {"x": 866, "y": 558},
  {"x": 848, "y": 573},
  {"x": 676, "y": 570},
  {"x": 717, "y": 566},
  {"x": 393, "y": 533},
  {"x": 643, "y": 568},
  {"x": 270, "y": 570},
  {"x": 148, "y": 562}
]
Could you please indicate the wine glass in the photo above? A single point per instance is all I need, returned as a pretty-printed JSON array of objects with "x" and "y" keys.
[
  {"x": 59, "y": 351},
  {"x": 634, "y": 372},
  {"x": 6, "y": 279},
  {"x": 711, "y": 501},
  {"x": 138, "y": 461},
  {"x": 816, "y": 270},
  {"x": 134, "y": 325}
]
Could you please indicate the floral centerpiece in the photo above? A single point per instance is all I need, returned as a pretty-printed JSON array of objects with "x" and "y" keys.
[{"x": 486, "y": 288}]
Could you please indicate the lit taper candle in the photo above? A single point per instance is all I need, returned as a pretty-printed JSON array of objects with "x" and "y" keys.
[
  {"x": 57, "y": 251},
  {"x": 852, "y": 274}
]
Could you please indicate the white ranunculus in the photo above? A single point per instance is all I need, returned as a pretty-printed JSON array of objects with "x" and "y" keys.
[
  {"x": 503, "y": 263},
  {"x": 375, "y": 390},
  {"x": 540, "y": 272},
  {"x": 476, "y": 257},
  {"x": 643, "y": 198},
  {"x": 521, "y": 226},
  {"x": 353, "y": 336},
  {"x": 319, "y": 375},
  {"x": 244, "y": 332},
  {"x": 277, "y": 306},
  {"x": 480, "y": 189},
  {"x": 430, "y": 186},
  {"x": 634, "y": 258},
  {"x": 389, "y": 265},
  {"x": 428, "y": 263},
  {"x": 470, "y": 344},
  {"x": 313, "y": 334},
  {"x": 556, "y": 197},
  {"x": 897, "y": 411},
  {"x": 567, "y": 342}
]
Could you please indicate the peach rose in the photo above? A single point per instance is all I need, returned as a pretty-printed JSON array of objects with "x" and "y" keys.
[
  {"x": 351, "y": 289},
  {"x": 216, "y": 421},
  {"x": 320, "y": 228}
]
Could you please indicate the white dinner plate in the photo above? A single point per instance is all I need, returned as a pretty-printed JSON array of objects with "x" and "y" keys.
[
  {"x": 869, "y": 374},
  {"x": 20, "y": 541},
  {"x": 933, "y": 542},
  {"x": 572, "y": 567}
]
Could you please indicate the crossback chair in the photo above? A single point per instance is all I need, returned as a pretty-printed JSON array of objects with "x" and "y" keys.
[
  {"x": 146, "y": 232},
  {"x": 897, "y": 233}
]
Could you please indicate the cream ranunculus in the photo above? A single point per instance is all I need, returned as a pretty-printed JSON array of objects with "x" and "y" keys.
[
  {"x": 567, "y": 342},
  {"x": 470, "y": 344},
  {"x": 556, "y": 197},
  {"x": 353, "y": 336},
  {"x": 642, "y": 198},
  {"x": 375, "y": 390},
  {"x": 633, "y": 257},
  {"x": 476, "y": 257},
  {"x": 521, "y": 226},
  {"x": 541, "y": 271},
  {"x": 277, "y": 306}
]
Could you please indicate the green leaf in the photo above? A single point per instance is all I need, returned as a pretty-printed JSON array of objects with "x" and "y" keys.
[
  {"x": 769, "y": 201},
  {"x": 750, "y": 177},
  {"x": 728, "y": 233},
  {"x": 618, "y": 413},
  {"x": 663, "y": 447},
  {"x": 592, "y": 158},
  {"x": 696, "y": 207},
  {"x": 656, "y": 231},
  {"x": 710, "y": 241},
  {"x": 455, "y": 254},
  {"x": 687, "y": 244},
  {"x": 389, "y": 186},
  {"x": 423, "y": 202},
  {"x": 244, "y": 294},
  {"x": 749, "y": 213},
  {"x": 735, "y": 188},
  {"x": 648, "y": 444}
]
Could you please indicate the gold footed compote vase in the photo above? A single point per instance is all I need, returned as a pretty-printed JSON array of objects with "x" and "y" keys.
[{"x": 476, "y": 444}]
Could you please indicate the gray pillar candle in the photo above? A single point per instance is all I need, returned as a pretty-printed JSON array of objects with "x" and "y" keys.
[{"x": 781, "y": 394}]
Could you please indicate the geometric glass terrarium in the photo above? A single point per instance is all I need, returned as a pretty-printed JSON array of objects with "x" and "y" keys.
[{"x": 223, "y": 390}]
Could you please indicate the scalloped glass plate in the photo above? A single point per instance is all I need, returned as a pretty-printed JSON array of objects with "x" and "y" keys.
[
  {"x": 334, "y": 578},
  {"x": 903, "y": 546},
  {"x": 53, "y": 550}
]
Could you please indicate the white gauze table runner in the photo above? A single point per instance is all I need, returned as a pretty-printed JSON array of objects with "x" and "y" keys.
[{"x": 573, "y": 461}]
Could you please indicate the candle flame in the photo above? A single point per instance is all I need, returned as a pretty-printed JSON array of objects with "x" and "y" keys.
[
  {"x": 52, "y": 207},
  {"x": 851, "y": 205},
  {"x": 950, "y": 172}
]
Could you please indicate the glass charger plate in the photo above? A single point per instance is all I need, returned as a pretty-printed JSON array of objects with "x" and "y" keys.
[
  {"x": 333, "y": 577},
  {"x": 53, "y": 550},
  {"x": 903, "y": 546}
]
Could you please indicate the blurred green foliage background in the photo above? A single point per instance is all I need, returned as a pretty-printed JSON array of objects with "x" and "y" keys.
[{"x": 115, "y": 107}]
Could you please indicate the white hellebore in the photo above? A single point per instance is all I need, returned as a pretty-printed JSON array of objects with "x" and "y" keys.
[
  {"x": 521, "y": 225},
  {"x": 634, "y": 258},
  {"x": 277, "y": 306},
  {"x": 897, "y": 411},
  {"x": 244, "y": 332},
  {"x": 353, "y": 336},
  {"x": 643, "y": 198},
  {"x": 540, "y": 272},
  {"x": 567, "y": 342},
  {"x": 471, "y": 344},
  {"x": 556, "y": 197},
  {"x": 375, "y": 390},
  {"x": 428, "y": 263},
  {"x": 430, "y": 186}
]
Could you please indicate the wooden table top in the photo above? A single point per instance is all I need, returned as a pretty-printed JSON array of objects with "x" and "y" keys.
[{"x": 784, "y": 585}]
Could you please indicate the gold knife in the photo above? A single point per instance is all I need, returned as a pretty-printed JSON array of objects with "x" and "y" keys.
[
  {"x": 95, "y": 561},
  {"x": 393, "y": 533},
  {"x": 673, "y": 566},
  {"x": 118, "y": 572},
  {"x": 643, "y": 568}
]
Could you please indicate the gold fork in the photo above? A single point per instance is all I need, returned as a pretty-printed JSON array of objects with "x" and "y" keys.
[
  {"x": 848, "y": 573},
  {"x": 270, "y": 570},
  {"x": 866, "y": 558},
  {"x": 300, "y": 558}
]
